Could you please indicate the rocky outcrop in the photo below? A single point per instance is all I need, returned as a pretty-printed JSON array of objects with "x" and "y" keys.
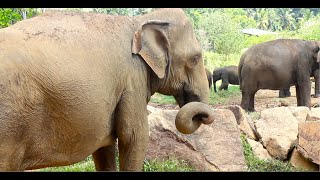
[
  {"x": 298, "y": 161},
  {"x": 300, "y": 112},
  {"x": 242, "y": 120},
  {"x": 259, "y": 150},
  {"x": 213, "y": 147},
  {"x": 313, "y": 115},
  {"x": 278, "y": 130},
  {"x": 309, "y": 140}
]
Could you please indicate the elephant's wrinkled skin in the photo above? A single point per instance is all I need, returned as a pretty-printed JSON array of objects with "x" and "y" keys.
[
  {"x": 66, "y": 91},
  {"x": 209, "y": 77},
  {"x": 276, "y": 65},
  {"x": 227, "y": 74}
]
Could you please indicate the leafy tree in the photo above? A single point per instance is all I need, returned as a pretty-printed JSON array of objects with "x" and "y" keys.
[
  {"x": 223, "y": 33},
  {"x": 9, "y": 16}
]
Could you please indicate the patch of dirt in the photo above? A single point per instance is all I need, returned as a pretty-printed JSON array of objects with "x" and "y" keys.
[{"x": 263, "y": 99}]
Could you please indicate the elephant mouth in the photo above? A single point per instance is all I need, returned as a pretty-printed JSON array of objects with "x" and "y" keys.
[{"x": 187, "y": 96}]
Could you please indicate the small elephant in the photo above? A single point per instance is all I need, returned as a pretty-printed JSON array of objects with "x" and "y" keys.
[
  {"x": 276, "y": 65},
  {"x": 227, "y": 74},
  {"x": 73, "y": 84},
  {"x": 315, "y": 74},
  {"x": 209, "y": 77}
]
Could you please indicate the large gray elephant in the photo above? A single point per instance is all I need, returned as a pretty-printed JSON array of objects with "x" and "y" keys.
[
  {"x": 276, "y": 65},
  {"x": 74, "y": 83},
  {"x": 227, "y": 74}
]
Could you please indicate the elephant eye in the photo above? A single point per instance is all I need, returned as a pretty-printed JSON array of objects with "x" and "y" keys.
[{"x": 195, "y": 59}]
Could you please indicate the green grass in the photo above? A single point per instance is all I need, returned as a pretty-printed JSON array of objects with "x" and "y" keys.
[
  {"x": 162, "y": 99},
  {"x": 222, "y": 97},
  {"x": 255, "y": 164},
  {"x": 169, "y": 165},
  {"x": 219, "y": 97}
]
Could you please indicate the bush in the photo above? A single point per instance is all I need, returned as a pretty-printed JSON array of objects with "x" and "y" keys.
[
  {"x": 215, "y": 60},
  {"x": 253, "y": 40}
]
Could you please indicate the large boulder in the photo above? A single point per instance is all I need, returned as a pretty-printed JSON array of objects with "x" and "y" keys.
[
  {"x": 278, "y": 130},
  {"x": 313, "y": 115},
  {"x": 309, "y": 140},
  {"x": 259, "y": 150},
  {"x": 298, "y": 161},
  {"x": 214, "y": 147},
  {"x": 300, "y": 112},
  {"x": 245, "y": 125}
]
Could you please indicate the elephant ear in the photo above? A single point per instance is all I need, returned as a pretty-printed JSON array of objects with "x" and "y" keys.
[{"x": 152, "y": 44}]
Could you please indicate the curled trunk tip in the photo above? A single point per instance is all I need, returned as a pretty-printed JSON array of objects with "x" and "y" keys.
[{"x": 192, "y": 115}]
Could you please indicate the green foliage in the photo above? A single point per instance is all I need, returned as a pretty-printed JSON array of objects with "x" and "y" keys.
[
  {"x": 215, "y": 60},
  {"x": 9, "y": 16},
  {"x": 253, "y": 40},
  {"x": 223, "y": 33},
  {"x": 123, "y": 11},
  {"x": 310, "y": 30}
]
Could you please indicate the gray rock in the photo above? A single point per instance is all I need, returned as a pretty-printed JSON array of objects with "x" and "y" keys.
[{"x": 278, "y": 130}]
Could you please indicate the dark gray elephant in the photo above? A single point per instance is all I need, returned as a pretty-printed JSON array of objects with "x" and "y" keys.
[
  {"x": 209, "y": 77},
  {"x": 227, "y": 74},
  {"x": 315, "y": 74},
  {"x": 276, "y": 65}
]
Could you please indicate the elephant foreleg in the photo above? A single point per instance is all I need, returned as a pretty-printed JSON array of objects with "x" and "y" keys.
[
  {"x": 284, "y": 93},
  {"x": 105, "y": 159},
  {"x": 247, "y": 102},
  {"x": 304, "y": 94},
  {"x": 133, "y": 134},
  {"x": 317, "y": 84}
]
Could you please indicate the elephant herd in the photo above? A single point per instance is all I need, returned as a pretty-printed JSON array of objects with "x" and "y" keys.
[
  {"x": 274, "y": 65},
  {"x": 77, "y": 84}
]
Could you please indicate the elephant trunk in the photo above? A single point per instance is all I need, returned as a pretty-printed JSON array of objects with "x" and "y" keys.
[{"x": 192, "y": 115}]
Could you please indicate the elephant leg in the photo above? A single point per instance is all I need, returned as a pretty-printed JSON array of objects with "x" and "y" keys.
[
  {"x": 104, "y": 158},
  {"x": 247, "y": 102},
  {"x": 317, "y": 84},
  {"x": 304, "y": 94},
  {"x": 224, "y": 86},
  {"x": 133, "y": 134},
  {"x": 284, "y": 93}
]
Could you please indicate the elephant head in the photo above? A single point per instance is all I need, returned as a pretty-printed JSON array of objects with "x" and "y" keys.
[{"x": 169, "y": 46}]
